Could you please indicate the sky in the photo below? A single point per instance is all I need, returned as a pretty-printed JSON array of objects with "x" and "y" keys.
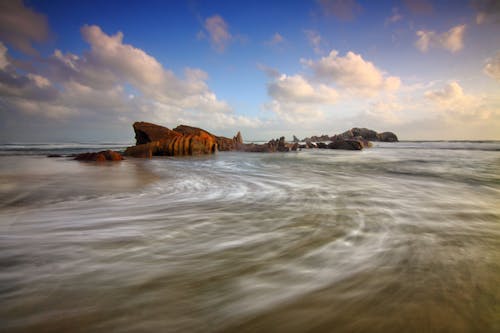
[{"x": 86, "y": 70}]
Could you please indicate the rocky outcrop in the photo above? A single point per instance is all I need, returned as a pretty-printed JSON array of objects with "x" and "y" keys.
[
  {"x": 387, "y": 137},
  {"x": 148, "y": 132},
  {"x": 155, "y": 140},
  {"x": 316, "y": 138},
  {"x": 346, "y": 144},
  {"x": 226, "y": 144},
  {"x": 102, "y": 156}
]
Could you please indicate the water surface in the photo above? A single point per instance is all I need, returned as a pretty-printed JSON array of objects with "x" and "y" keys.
[{"x": 400, "y": 237}]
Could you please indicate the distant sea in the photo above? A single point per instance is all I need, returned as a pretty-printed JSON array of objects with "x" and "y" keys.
[{"x": 402, "y": 237}]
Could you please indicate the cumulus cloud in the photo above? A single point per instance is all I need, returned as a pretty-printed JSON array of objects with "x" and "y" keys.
[
  {"x": 295, "y": 99},
  {"x": 492, "y": 67},
  {"x": 112, "y": 80},
  {"x": 488, "y": 11},
  {"x": 453, "y": 100},
  {"x": 451, "y": 40},
  {"x": 345, "y": 10},
  {"x": 21, "y": 26},
  {"x": 297, "y": 89},
  {"x": 353, "y": 73},
  {"x": 218, "y": 31}
]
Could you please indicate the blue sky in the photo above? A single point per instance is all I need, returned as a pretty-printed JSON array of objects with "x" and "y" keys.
[{"x": 87, "y": 70}]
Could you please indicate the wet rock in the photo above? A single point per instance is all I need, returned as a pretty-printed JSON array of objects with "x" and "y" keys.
[
  {"x": 155, "y": 140},
  {"x": 387, "y": 137},
  {"x": 102, "y": 156},
  {"x": 226, "y": 144},
  {"x": 346, "y": 144},
  {"x": 54, "y": 155},
  {"x": 321, "y": 145}
]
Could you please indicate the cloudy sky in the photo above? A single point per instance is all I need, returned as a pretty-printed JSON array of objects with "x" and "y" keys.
[{"x": 86, "y": 70}]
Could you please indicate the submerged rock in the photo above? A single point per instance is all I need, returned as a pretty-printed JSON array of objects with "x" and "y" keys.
[{"x": 102, "y": 156}]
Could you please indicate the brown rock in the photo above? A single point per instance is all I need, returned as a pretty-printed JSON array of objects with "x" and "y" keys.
[
  {"x": 147, "y": 132},
  {"x": 102, "y": 156},
  {"x": 346, "y": 144}
]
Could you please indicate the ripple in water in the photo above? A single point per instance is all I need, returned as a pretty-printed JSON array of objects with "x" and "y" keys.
[{"x": 389, "y": 239}]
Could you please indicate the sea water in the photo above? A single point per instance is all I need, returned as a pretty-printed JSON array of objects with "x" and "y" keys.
[{"x": 402, "y": 237}]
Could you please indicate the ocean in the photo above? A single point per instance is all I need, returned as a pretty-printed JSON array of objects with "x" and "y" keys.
[{"x": 402, "y": 237}]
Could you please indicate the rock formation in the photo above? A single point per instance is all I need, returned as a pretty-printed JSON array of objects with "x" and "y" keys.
[
  {"x": 387, "y": 137},
  {"x": 155, "y": 140},
  {"x": 102, "y": 156}
]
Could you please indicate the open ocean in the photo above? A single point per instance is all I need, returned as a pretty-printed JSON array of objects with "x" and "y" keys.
[{"x": 402, "y": 237}]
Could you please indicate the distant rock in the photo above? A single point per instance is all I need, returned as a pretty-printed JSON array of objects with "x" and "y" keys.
[
  {"x": 387, "y": 137},
  {"x": 102, "y": 156},
  {"x": 295, "y": 139},
  {"x": 54, "y": 155}
]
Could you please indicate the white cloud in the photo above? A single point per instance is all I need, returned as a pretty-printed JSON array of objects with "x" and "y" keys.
[
  {"x": 98, "y": 84},
  {"x": 218, "y": 31},
  {"x": 20, "y": 26},
  {"x": 353, "y": 73},
  {"x": 387, "y": 112},
  {"x": 451, "y": 40},
  {"x": 294, "y": 99},
  {"x": 296, "y": 89},
  {"x": 492, "y": 67},
  {"x": 452, "y": 100}
]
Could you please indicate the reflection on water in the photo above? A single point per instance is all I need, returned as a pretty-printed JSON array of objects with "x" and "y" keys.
[{"x": 397, "y": 238}]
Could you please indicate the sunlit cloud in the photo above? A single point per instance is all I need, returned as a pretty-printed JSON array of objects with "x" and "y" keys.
[
  {"x": 451, "y": 40},
  {"x": 353, "y": 73}
]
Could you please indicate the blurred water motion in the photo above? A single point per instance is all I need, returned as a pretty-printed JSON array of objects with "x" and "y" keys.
[{"x": 400, "y": 237}]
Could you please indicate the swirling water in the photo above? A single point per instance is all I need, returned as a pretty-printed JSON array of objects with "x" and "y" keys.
[{"x": 402, "y": 237}]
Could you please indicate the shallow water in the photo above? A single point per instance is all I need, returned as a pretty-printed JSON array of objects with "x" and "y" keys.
[{"x": 400, "y": 237}]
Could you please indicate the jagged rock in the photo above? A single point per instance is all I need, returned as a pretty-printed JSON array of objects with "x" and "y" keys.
[
  {"x": 295, "y": 139},
  {"x": 321, "y": 145},
  {"x": 226, "y": 144},
  {"x": 315, "y": 138},
  {"x": 387, "y": 137},
  {"x": 147, "y": 132},
  {"x": 102, "y": 156},
  {"x": 155, "y": 140},
  {"x": 238, "y": 138}
]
